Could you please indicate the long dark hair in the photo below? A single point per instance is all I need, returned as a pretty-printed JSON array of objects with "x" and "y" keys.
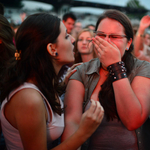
[
  {"x": 7, "y": 48},
  {"x": 106, "y": 95},
  {"x": 31, "y": 39}
]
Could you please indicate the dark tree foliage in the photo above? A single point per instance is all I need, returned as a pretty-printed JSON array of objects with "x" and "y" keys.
[
  {"x": 12, "y": 3},
  {"x": 136, "y": 5}
]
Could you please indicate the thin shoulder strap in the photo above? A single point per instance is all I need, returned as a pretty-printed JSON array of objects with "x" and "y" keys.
[{"x": 32, "y": 86}]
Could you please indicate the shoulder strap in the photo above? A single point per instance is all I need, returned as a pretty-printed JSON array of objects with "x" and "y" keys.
[{"x": 32, "y": 86}]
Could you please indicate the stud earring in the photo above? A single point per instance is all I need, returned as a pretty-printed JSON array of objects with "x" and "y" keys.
[
  {"x": 56, "y": 54},
  {"x": 127, "y": 48}
]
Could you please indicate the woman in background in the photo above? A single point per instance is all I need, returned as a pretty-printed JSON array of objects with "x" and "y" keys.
[{"x": 84, "y": 49}]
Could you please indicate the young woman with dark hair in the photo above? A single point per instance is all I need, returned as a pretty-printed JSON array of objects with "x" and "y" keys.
[
  {"x": 120, "y": 82},
  {"x": 32, "y": 112}
]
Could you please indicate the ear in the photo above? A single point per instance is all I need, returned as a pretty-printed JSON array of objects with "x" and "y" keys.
[
  {"x": 129, "y": 43},
  {"x": 51, "y": 48}
]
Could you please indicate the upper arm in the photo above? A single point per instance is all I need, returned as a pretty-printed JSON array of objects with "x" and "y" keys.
[
  {"x": 73, "y": 111},
  {"x": 141, "y": 88},
  {"x": 30, "y": 119},
  {"x": 74, "y": 97}
]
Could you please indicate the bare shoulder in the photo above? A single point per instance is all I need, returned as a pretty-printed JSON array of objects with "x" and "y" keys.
[
  {"x": 27, "y": 97},
  {"x": 25, "y": 103}
]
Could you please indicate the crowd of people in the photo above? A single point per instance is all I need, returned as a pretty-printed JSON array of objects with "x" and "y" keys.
[{"x": 67, "y": 87}]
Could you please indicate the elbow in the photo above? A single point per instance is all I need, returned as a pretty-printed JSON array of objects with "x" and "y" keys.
[{"x": 133, "y": 126}]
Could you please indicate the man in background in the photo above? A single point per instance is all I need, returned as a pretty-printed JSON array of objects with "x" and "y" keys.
[{"x": 69, "y": 21}]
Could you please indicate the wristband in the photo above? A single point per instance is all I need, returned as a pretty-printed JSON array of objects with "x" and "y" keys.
[
  {"x": 138, "y": 34},
  {"x": 117, "y": 71},
  {"x": 118, "y": 77}
]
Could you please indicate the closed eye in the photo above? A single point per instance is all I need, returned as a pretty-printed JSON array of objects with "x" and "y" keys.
[{"x": 101, "y": 35}]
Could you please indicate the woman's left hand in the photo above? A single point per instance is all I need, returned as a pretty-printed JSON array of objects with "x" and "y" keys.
[
  {"x": 70, "y": 71},
  {"x": 107, "y": 51}
]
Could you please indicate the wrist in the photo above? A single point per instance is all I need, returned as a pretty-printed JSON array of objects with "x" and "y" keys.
[
  {"x": 83, "y": 136},
  {"x": 139, "y": 34},
  {"x": 117, "y": 71}
]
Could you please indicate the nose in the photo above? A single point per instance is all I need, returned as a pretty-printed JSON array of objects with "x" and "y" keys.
[
  {"x": 84, "y": 41},
  {"x": 72, "y": 39},
  {"x": 107, "y": 38}
]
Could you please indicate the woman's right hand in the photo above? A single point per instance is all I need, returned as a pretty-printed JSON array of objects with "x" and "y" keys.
[
  {"x": 91, "y": 118},
  {"x": 70, "y": 71}
]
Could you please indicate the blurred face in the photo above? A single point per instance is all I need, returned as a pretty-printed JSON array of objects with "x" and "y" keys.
[
  {"x": 84, "y": 44},
  {"x": 147, "y": 39},
  {"x": 69, "y": 24},
  {"x": 78, "y": 27},
  {"x": 64, "y": 46},
  {"x": 113, "y": 27},
  {"x": 91, "y": 28}
]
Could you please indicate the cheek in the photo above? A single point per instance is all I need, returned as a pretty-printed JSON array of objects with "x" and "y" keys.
[{"x": 121, "y": 46}]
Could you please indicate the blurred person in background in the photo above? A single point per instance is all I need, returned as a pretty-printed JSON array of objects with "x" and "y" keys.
[
  {"x": 142, "y": 39},
  {"x": 84, "y": 49},
  {"x": 90, "y": 26},
  {"x": 77, "y": 28},
  {"x": 69, "y": 20}
]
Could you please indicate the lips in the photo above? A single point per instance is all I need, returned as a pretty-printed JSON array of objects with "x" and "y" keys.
[{"x": 84, "y": 47}]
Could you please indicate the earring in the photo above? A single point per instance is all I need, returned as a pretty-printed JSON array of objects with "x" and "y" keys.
[
  {"x": 56, "y": 54},
  {"x": 127, "y": 48}
]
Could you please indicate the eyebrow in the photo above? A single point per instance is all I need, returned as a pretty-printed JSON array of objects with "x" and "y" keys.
[
  {"x": 109, "y": 34},
  {"x": 86, "y": 37}
]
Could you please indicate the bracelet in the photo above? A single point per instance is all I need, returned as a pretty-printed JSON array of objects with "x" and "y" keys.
[
  {"x": 138, "y": 34},
  {"x": 119, "y": 76},
  {"x": 116, "y": 67},
  {"x": 117, "y": 71}
]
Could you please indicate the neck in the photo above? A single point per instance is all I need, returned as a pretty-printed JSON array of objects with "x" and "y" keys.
[
  {"x": 86, "y": 57},
  {"x": 57, "y": 67}
]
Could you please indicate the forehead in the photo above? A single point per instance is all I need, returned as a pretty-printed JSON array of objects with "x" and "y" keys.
[
  {"x": 110, "y": 25},
  {"x": 85, "y": 34},
  {"x": 62, "y": 29},
  {"x": 78, "y": 24},
  {"x": 70, "y": 20}
]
